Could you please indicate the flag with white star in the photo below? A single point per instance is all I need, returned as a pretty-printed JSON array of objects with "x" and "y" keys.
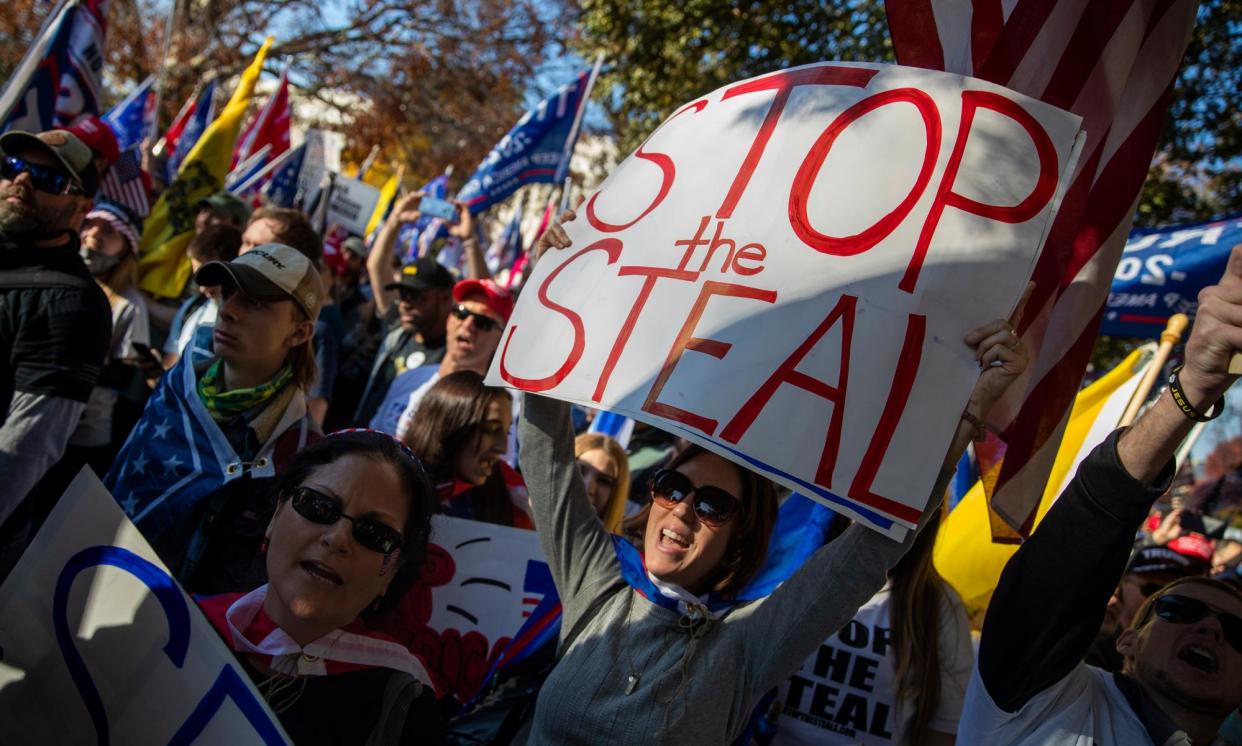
[{"x": 176, "y": 454}]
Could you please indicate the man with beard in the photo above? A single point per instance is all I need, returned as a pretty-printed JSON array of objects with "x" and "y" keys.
[
  {"x": 1182, "y": 651},
  {"x": 472, "y": 334},
  {"x": 55, "y": 323},
  {"x": 424, "y": 298}
]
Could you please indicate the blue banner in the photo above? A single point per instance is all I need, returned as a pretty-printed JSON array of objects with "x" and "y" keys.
[
  {"x": 130, "y": 118},
  {"x": 529, "y": 153},
  {"x": 1162, "y": 271},
  {"x": 28, "y": 101}
]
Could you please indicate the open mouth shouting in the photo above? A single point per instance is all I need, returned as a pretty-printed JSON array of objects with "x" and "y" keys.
[
  {"x": 1200, "y": 657},
  {"x": 673, "y": 541}
]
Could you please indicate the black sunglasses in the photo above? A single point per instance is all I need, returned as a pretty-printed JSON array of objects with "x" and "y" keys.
[
  {"x": 481, "y": 322},
  {"x": 1186, "y": 610},
  {"x": 45, "y": 178},
  {"x": 325, "y": 510},
  {"x": 712, "y": 505}
]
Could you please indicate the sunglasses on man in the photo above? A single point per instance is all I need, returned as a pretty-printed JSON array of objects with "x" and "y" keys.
[
  {"x": 712, "y": 505},
  {"x": 1177, "y": 609},
  {"x": 482, "y": 322},
  {"x": 44, "y": 178},
  {"x": 326, "y": 510}
]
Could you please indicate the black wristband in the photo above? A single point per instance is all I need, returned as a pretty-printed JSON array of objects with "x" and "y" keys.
[{"x": 1179, "y": 398}]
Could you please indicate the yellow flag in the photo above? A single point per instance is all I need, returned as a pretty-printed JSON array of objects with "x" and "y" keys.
[
  {"x": 965, "y": 555},
  {"x": 163, "y": 267},
  {"x": 388, "y": 193}
]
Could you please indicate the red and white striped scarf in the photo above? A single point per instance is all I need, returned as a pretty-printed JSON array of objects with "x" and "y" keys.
[{"x": 245, "y": 626}]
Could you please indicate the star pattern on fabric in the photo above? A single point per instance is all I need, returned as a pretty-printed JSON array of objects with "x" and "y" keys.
[
  {"x": 170, "y": 464},
  {"x": 161, "y": 430},
  {"x": 140, "y": 464},
  {"x": 130, "y": 504}
]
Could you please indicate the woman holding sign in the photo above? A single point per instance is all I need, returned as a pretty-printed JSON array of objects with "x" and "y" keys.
[
  {"x": 659, "y": 653},
  {"x": 351, "y": 527}
]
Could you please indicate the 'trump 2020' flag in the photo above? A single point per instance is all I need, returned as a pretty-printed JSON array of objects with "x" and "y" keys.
[
  {"x": 162, "y": 264},
  {"x": 529, "y": 153},
  {"x": 130, "y": 119},
  {"x": 1112, "y": 62},
  {"x": 65, "y": 59},
  {"x": 1162, "y": 272}
]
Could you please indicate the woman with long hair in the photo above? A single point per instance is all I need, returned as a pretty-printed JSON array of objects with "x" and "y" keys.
[
  {"x": 659, "y": 652},
  {"x": 349, "y": 534},
  {"x": 915, "y": 637},
  {"x": 461, "y": 434},
  {"x": 606, "y": 473}
]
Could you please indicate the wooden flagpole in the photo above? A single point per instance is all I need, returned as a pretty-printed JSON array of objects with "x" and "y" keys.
[{"x": 1171, "y": 335}]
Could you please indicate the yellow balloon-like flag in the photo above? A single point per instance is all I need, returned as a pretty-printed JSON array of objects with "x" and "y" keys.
[
  {"x": 965, "y": 555},
  {"x": 163, "y": 267}
]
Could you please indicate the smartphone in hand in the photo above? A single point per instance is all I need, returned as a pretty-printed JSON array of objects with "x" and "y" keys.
[{"x": 439, "y": 208}]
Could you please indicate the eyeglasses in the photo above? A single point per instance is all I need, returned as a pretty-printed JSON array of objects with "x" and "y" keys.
[
  {"x": 712, "y": 505},
  {"x": 44, "y": 178},
  {"x": 325, "y": 510},
  {"x": 482, "y": 322},
  {"x": 1177, "y": 609}
]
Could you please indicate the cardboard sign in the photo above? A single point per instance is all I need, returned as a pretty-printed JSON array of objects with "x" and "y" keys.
[
  {"x": 480, "y": 583},
  {"x": 100, "y": 644},
  {"x": 351, "y": 204},
  {"x": 785, "y": 271}
]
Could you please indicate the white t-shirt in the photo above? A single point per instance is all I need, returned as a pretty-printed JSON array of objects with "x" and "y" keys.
[
  {"x": 846, "y": 693},
  {"x": 1083, "y": 709}
]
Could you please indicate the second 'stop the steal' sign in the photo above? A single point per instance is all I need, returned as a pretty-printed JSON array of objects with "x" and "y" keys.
[{"x": 784, "y": 272}]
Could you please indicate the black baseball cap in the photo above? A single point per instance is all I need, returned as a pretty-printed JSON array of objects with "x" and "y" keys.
[{"x": 423, "y": 274}]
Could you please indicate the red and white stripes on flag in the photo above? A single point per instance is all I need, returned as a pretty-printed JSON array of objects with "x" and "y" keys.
[
  {"x": 1113, "y": 62},
  {"x": 125, "y": 185},
  {"x": 270, "y": 126}
]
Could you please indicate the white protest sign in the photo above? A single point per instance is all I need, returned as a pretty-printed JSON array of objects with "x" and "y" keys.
[
  {"x": 480, "y": 583},
  {"x": 351, "y": 204},
  {"x": 785, "y": 271},
  {"x": 99, "y": 644}
]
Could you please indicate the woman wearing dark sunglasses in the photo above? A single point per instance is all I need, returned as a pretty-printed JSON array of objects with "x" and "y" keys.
[
  {"x": 351, "y": 527},
  {"x": 659, "y": 652}
]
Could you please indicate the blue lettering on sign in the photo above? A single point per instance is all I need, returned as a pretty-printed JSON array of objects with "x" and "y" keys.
[{"x": 227, "y": 685}]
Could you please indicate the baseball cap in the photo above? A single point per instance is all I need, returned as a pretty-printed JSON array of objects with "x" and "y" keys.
[
  {"x": 71, "y": 153},
  {"x": 423, "y": 274},
  {"x": 356, "y": 245},
  {"x": 120, "y": 218},
  {"x": 1163, "y": 560},
  {"x": 229, "y": 204},
  {"x": 269, "y": 272},
  {"x": 499, "y": 300},
  {"x": 97, "y": 136}
]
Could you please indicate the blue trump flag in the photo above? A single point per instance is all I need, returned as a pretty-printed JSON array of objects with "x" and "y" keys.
[
  {"x": 28, "y": 101},
  {"x": 130, "y": 119},
  {"x": 531, "y": 152},
  {"x": 1162, "y": 271}
]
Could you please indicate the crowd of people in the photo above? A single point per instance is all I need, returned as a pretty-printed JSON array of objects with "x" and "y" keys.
[{"x": 282, "y": 434}]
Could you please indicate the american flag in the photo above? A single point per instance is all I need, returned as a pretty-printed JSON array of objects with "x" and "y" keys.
[
  {"x": 1112, "y": 62},
  {"x": 125, "y": 185}
]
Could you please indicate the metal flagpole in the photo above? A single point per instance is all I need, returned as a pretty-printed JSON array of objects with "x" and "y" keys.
[
  {"x": 159, "y": 79},
  {"x": 572, "y": 140}
]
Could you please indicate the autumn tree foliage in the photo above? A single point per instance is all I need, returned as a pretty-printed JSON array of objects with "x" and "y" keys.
[{"x": 433, "y": 82}]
